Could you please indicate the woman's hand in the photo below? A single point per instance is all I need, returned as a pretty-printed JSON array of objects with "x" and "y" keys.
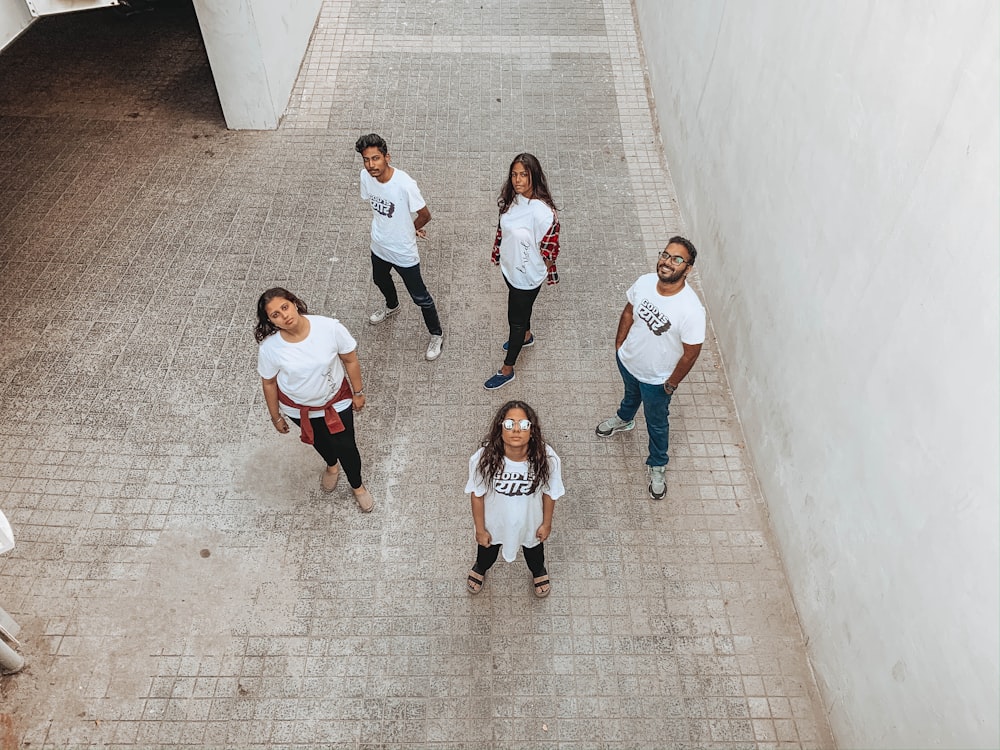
[
  {"x": 280, "y": 424},
  {"x": 484, "y": 538},
  {"x": 543, "y": 532},
  {"x": 358, "y": 401}
]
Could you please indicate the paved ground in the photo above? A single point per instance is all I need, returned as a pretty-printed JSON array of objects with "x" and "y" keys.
[{"x": 179, "y": 577}]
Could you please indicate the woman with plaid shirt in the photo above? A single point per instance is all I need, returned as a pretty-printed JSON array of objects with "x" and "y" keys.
[{"x": 526, "y": 248}]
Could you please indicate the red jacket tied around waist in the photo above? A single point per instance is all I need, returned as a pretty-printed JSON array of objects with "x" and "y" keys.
[{"x": 333, "y": 421}]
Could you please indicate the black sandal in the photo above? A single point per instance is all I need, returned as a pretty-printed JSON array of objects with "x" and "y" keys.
[
  {"x": 542, "y": 580},
  {"x": 473, "y": 584}
]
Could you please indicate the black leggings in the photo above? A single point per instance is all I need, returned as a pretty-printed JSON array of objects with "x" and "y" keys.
[
  {"x": 340, "y": 447},
  {"x": 534, "y": 556},
  {"x": 519, "y": 305}
]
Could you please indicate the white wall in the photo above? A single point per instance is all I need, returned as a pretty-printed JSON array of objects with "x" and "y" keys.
[
  {"x": 14, "y": 18},
  {"x": 837, "y": 165},
  {"x": 255, "y": 48}
]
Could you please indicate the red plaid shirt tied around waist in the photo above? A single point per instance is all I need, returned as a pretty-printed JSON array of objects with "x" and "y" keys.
[
  {"x": 333, "y": 421},
  {"x": 549, "y": 248}
]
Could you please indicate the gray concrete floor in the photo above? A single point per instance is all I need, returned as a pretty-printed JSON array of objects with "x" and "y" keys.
[{"x": 179, "y": 577}]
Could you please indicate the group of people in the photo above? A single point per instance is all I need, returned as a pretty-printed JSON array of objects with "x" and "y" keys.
[
  {"x": 526, "y": 245},
  {"x": 311, "y": 375}
]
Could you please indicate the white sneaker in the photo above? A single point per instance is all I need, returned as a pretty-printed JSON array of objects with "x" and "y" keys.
[
  {"x": 434, "y": 347},
  {"x": 657, "y": 482},
  {"x": 379, "y": 315},
  {"x": 609, "y": 427}
]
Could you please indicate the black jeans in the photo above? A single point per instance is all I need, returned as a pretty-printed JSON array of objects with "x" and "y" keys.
[
  {"x": 534, "y": 556},
  {"x": 339, "y": 447},
  {"x": 414, "y": 285},
  {"x": 519, "y": 305}
]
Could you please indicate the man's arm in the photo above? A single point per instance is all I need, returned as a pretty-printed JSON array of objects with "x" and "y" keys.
[
  {"x": 423, "y": 216},
  {"x": 684, "y": 365},
  {"x": 624, "y": 323}
]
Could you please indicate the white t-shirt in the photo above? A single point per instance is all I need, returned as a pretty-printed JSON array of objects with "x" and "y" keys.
[
  {"x": 660, "y": 328},
  {"x": 309, "y": 371},
  {"x": 512, "y": 515},
  {"x": 394, "y": 205},
  {"x": 522, "y": 229}
]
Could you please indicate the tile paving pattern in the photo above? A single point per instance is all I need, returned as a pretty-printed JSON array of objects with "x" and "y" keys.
[{"x": 180, "y": 579}]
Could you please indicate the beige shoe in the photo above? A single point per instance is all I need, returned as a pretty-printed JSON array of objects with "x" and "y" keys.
[
  {"x": 543, "y": 587},
  {"x": 328, "y": 482},
  {"x": 364, "y": 500},
  {"x": 474, "y": 582}
]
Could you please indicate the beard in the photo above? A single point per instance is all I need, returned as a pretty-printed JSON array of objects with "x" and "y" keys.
[{"x": 668, "y": 275}]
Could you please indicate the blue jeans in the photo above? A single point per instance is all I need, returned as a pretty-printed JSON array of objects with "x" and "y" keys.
[
  {"x": 414, "y": 285},
  {"x": 655, "y": 405}
]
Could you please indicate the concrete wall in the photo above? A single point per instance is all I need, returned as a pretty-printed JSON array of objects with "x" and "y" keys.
[
  {"x": 255, "y": 48},
  {"x": 837, "y": 165},
  {"x": 14, "y": 18}
]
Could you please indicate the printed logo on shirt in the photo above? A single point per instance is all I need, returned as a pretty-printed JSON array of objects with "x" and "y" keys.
[
  {"x": 650, "y": 315},
  {"x": 524, "y": 246},
  {"x": 383, "y": 207},
  {"x": 513, "y": 484}
]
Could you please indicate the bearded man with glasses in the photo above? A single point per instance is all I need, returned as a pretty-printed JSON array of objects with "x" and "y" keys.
[{"x": 659, "y": 337}]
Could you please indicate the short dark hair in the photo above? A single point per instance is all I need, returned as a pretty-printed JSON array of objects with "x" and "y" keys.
[
  {"x": 687, "y": 245},
  {"x": 372, "y": 139}
]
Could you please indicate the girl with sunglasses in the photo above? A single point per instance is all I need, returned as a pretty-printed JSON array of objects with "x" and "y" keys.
[{"x": 514, "y": 481}]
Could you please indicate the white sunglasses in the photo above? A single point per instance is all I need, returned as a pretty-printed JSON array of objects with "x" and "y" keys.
[{"x": 522, "y": 424}]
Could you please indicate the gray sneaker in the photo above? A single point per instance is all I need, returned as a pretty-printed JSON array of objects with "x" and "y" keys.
[
  {"x": 609, "y": 427},
  {"x": 434, "y": 347},
  {"x": 657, "y": 482},
  {"x": 379, "y": 315}
]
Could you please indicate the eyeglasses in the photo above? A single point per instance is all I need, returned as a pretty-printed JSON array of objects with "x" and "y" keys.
[
  {"x": 523, "y": 425},
  {"x": 674, "y": 260}
]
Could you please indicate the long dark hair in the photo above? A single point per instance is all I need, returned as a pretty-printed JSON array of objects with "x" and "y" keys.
[
  {"x": 539, "y": 185},
  {"x": 491, "y": 460},
  {"x": 265, "y": 327}
]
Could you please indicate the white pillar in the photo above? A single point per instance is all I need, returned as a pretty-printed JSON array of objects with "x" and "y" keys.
[
  {"x": 10, "y": 660},
  {"x": 255, "y": 48},
  {"x": 14, "y": 18}
]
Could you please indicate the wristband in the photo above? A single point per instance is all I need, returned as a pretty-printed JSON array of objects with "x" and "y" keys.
[{"x": 669, "y": 388}]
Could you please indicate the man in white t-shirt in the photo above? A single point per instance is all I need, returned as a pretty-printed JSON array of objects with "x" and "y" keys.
[
  {"x": 399, "y": 214},
  {"x": 659, "y": 337}
]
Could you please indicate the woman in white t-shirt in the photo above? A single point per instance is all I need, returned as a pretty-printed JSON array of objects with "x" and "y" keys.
[
  {"x": 309, "y": 369},
  {"x": 525, "y": 248},
  {"x": 514, "y": 481}
]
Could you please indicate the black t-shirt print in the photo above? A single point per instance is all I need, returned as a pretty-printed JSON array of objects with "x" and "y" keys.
[
  {"x": 383, "y": 207},
  {"x": 513, "y": 484},
  {"x": 649, "y": 314}
]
